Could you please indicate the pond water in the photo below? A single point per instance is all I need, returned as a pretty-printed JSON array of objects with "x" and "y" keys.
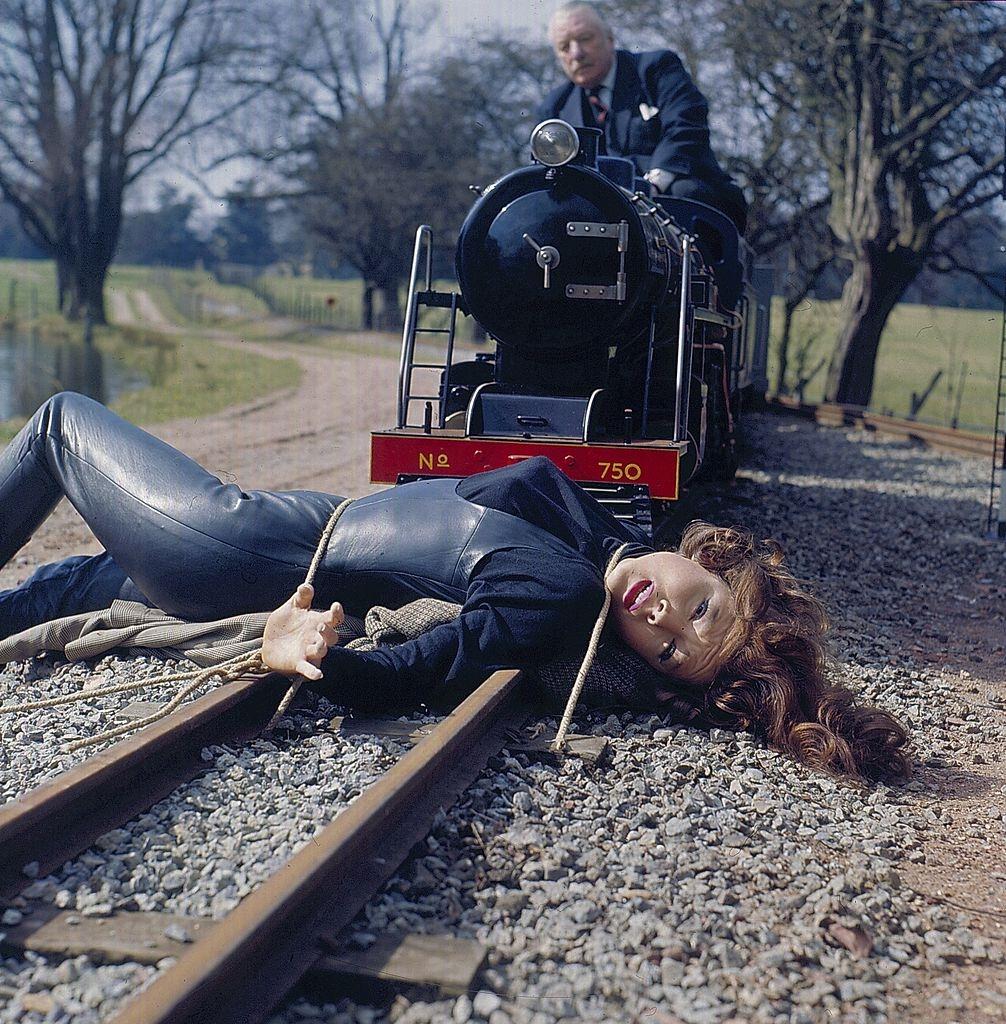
[{"x": 33, "y": 367}]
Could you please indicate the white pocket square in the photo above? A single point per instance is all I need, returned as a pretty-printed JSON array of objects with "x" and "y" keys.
[{"x": 647, "y": 111}]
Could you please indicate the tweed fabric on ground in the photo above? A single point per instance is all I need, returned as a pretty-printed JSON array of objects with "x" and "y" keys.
[{"x": 617, "y": 676}]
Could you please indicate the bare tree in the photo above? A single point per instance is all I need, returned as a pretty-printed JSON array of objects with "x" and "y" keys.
[
  {"x": 499, "y": 85},
  {"x": 903, "y": 100},
  {"x": 808, "y": 253},
  {"x": 377, "y": 141},
  {"x": 96, "y": 93},
  {"x": 967, "y": 248},
  {"x": 324, "y": 60},
  {"x": 366, "y": 191},
  {"x": 695, "y": 33},
  {"x": 346, "y": 158}
]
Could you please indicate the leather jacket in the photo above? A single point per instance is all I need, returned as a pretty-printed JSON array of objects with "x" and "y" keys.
[{"x": 522, "y": 549}]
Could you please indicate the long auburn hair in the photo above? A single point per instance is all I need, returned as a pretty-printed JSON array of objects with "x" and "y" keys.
[{"x": 774, "y": 681}]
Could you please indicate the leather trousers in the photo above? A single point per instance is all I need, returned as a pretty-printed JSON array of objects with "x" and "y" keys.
[{"x": 174, "y": 534}]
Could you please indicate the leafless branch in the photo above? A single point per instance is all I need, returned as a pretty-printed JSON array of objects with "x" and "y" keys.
[
  {"x": 944, "y": 261},
  {"x": 926, "y": 118},
  {"x": 961, "y": 199}
]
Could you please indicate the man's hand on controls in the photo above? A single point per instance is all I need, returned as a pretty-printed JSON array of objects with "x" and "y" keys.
[
  {"x": 660, "y": 180},
  {"x": 297, "y": 637}
]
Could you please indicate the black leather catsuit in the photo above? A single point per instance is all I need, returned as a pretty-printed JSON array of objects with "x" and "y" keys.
[{"x": 179, "y": 538}]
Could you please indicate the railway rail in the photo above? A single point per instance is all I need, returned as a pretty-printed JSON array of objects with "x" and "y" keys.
[
  {"x": 61, "y": 817},
  {"x": 941, "y": 438},
  {"x": 238, "y": 968}
]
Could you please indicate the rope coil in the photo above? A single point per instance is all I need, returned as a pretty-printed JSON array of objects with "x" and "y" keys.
[{"x": 195, "y": 679}]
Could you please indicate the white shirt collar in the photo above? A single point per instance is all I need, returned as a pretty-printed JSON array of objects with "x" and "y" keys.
[{"x": 607, "y": 86}]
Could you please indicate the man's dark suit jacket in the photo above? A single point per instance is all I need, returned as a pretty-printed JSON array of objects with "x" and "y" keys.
[{"x": 675, "y": 137}]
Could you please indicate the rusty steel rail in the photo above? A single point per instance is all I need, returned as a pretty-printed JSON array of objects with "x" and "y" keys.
[
  {"x": 941, "y": 438},
  {"x": 59, "y": 818},
  {"x": 263, "y": 947}
]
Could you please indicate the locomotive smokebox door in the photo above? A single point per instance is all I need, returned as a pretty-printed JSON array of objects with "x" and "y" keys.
[{"x": 554, "y": 263}]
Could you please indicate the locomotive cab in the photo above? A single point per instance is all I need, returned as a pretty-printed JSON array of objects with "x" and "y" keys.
[{"x": 617, "y": 324}]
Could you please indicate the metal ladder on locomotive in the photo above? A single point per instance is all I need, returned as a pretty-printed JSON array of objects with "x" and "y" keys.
[
  {"x": 625, "y": 501},
  {"x": 427, "y": 298}
]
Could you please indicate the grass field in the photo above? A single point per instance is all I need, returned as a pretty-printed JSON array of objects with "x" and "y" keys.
[
  {"x": 190, "y": 296},
  {"x": 958, "y": 348},
  {"x": 190, "y": 375},
  {"x": 27, "y": 289},
  {"x": 334, "y": 302},
  {"x": 338, "y": 303},
  {"x": 919, "y": 342}
]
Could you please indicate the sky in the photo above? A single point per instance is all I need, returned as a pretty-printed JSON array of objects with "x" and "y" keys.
[
  {"x": 456, "y": 19},
  {"x": 459, "y": 17}
]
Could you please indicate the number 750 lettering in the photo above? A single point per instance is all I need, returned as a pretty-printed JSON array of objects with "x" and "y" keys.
[{"x": 620, "y": 470}]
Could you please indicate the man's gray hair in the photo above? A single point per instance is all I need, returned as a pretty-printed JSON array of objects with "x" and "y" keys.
[{"x": 582, "y": 5}]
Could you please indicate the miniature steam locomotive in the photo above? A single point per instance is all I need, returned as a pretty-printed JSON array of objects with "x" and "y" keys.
[{"x": 627, "y": 331}]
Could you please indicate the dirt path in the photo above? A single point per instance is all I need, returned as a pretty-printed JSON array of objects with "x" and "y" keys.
[{"x": 312, "y": 436}]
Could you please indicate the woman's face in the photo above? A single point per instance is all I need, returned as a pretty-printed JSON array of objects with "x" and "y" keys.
[{"x": 674, "y": 613}]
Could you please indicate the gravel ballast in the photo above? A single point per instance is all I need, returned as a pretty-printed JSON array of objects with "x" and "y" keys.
[
  {"x": 698, "y": 877},
  {"x": 32, "y": 743}
]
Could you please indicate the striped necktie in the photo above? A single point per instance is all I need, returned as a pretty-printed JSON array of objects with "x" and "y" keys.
[{"x": 599, "y": 110}]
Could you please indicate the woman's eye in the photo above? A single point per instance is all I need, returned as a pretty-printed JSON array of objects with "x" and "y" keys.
[
  {"x": 667, "y": 653},
  {"x": 701, "y": 610}
]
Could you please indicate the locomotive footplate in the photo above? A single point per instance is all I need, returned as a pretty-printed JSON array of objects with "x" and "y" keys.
[{"x": 411, "y": 452}]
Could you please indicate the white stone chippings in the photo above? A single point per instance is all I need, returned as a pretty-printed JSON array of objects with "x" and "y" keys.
[
  {"x": 31, "y": 742},
  {"x": 695, "y": 875}
]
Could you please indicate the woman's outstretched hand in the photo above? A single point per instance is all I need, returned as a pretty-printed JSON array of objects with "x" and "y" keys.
[{"x": 297, "y": 637}]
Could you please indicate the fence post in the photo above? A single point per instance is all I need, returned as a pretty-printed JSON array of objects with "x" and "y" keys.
[{"x": 960, "y": 393}]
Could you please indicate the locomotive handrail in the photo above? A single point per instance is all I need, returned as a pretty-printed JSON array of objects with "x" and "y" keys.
[
  {"x": 740, "y": 349},
  {"x": 682, "y": 376},
  {"x": 591, "y": 403},
  {"x": 473, "y": 405},
  {"x": 648, "y": 378},
  {"x": 423, "y": 233}
]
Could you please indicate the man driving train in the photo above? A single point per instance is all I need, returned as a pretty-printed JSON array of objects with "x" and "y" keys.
[{"x": 646, "y": 104}]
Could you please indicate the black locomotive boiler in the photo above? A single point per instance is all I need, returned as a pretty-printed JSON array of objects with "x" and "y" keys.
[{"x": 627, "y": 330}]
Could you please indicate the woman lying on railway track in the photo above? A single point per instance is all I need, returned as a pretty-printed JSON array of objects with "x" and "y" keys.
[{"x": 722, "y": 633}]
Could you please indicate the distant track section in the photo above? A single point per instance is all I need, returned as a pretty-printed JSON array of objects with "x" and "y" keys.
[{"x": 949, "y": 439}]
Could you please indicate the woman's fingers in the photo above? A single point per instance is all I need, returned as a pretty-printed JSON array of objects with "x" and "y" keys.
[
  {"x": 297, "y": 637},
  {"x": 309, "y": 671}
]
